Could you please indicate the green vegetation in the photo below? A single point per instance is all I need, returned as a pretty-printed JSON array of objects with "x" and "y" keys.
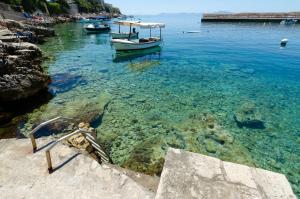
[
  {"x": 96, "y": 6},
  {"x": 61, "y": 6}
]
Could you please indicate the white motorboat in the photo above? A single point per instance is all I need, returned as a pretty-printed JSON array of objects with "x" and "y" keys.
[
  {"x": 123, "y": 35},
  {"x": 289, "y": 21},
  {"x": 284, "y": 42},
  {"x": 94, "y": 28},
  {"x": 137, "y": 44}
]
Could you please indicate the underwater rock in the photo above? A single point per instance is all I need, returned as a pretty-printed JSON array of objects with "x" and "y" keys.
[
  {"x": 221, "y": 136},
  {"x": 63, "y": 82},
  {"x": 103, "y": 70},
  {"x": 248, "y": 116},
  {"x": 210, "y": 146},
  {"x": 143, "y": 65},
  {"x": 153, "y": 115}
]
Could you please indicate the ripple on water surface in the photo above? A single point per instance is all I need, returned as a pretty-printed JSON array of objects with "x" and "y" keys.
[{"x": 228, "y": 92}]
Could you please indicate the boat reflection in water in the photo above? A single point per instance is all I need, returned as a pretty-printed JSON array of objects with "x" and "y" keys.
[
  {"x": 150, "y": 53},
  {"x": 140, "y": 60}
]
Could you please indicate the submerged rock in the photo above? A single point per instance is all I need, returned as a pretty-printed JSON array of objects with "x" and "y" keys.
[
  {"x": 63, "y": 82},
  {"x": 140, "y": 66},
  {"x": 210, "y": 146},
  {"x": 248, "y": 116}
]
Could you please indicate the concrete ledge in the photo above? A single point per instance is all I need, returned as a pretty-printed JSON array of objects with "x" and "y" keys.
[
  {"x": 190, "y": 175},
  {"x": 24, "y": 175}
]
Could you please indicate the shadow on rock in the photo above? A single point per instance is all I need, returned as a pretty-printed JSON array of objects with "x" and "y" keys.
[{"x": 12, "y": 113}]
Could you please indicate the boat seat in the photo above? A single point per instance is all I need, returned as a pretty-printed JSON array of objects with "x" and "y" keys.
[
  {"x": 144, "y": 40},
  {"x": 152, "y": 39}
]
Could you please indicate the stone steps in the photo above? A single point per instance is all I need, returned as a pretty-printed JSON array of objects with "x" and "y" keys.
[
  {"x": 25, "y": 175},
  {"x": 185, "y": 176}
]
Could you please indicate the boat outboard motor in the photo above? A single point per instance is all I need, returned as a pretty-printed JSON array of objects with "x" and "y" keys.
[{"x": 284, "y": 42}]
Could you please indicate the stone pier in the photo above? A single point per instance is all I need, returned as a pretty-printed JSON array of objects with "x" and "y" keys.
[
  {"x": 190, "y": 176},
  {"x": 24, "y": 174},
  {"x": 250, "y": 17}
]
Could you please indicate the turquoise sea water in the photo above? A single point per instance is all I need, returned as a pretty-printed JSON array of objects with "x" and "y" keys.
[{"x": 188, "y": 94}]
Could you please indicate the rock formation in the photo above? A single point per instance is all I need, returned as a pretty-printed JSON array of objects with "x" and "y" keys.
[
  {"x": 35, "y": 33},
  {"x": 21, "y": 75}
]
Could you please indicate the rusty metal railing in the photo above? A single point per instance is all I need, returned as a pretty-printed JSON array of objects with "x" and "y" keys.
[
  {"x": 89, "y": 137},
  {"x": 33, "y": 141}
]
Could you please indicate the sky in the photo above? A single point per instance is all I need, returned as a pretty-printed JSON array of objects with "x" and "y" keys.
[{"x": 201, "y": 6}]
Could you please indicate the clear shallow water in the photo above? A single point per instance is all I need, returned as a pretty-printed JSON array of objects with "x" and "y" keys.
[{"x": 184, "y": 95}]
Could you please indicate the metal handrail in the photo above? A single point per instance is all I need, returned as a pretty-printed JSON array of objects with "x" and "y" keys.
[
  {"x": 31, "y": 134},
  {"x": 89, "y": 137}
]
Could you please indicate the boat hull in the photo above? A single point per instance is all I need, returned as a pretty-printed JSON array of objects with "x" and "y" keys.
[
  {"x": 289, "y": 22},
  {"x": 123, "y": 46},
  {"x": 97, "y": 29}
]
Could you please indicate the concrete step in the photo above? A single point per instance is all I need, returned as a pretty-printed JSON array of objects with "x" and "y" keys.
[
  {"x": 189, "y": 175},
  {"x": 25, "y": 175}
]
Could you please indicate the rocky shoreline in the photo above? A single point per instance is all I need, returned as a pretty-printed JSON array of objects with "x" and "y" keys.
[{"x": 22, "y": 77}]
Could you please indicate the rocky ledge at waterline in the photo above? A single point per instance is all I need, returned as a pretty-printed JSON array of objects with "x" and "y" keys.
[
  {"x": 21, "y": 74},
  {"x": 9, "y": 29}
]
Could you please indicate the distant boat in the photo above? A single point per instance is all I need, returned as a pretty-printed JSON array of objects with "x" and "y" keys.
[
  {"x": 138, "y": 44},
  {"x": 289, "y": 21},
  {"x": 94, "y": 19},
  {"x": 94, "y": 28},
  {"x": 192, "y": 32},
  {"x": 284, "y": 42}
]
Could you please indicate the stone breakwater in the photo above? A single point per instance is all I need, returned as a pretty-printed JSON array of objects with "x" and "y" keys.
[{"x": 249, "y": 17}]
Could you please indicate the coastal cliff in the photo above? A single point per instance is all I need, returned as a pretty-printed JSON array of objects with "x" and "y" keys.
[{"x": 60, "y": 7}]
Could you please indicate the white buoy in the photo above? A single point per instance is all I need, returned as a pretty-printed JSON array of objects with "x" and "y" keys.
[{"x": 284, "y": 42}]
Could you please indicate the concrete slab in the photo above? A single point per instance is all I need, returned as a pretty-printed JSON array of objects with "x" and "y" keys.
[
  {"x": 24, "y": 174},
  {"x": 188, "y": 175}
]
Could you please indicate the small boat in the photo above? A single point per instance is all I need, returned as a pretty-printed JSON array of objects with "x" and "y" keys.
[
  {"x": 192, "y": 32},
  {"x": 93, "y": 28},
  {"x": 94, "y": 19},
  {"x": 138, "y": 44},
  {"x": 289, "y": 21},
  {"x": 123, "y": 35},
  {"x": 284, "y": 42}
]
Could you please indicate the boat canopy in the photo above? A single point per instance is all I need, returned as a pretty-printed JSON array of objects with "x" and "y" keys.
[{"x": 140, "y": 24}]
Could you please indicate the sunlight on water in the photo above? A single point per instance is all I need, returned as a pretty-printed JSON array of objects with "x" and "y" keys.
[{"x": 228, "y": 92}]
